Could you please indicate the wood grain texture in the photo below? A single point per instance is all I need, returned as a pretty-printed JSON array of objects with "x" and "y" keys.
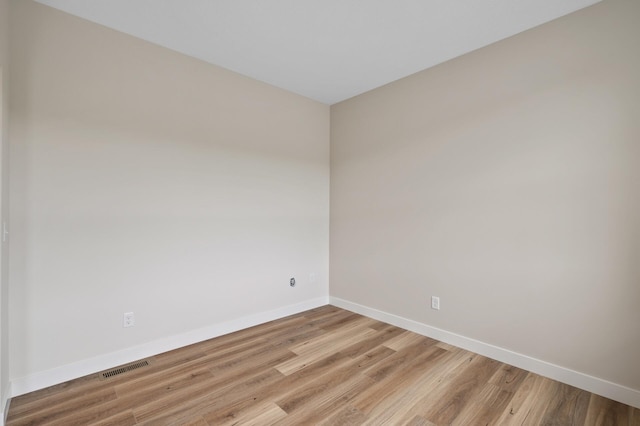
[{"x": 326, "y": 366}]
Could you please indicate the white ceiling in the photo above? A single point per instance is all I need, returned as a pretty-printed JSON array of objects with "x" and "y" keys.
[{"x": 327, "y": 50}]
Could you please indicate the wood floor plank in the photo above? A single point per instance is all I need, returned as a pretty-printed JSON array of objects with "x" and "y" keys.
[
  {"x": 508, "y": 377},
  {"x": 421, "y": 421},
  {"x": 291, "y": 383},
  {"x": 66, "y": 405},
  {"x": 321, "y": 347},
  {"x": 297, "y": 382},
  {"x": 352, "y": 330},
  {"x": 124, "y": 418},
  {"x": 201, "y": 396},
  {"x": 196, "y": 421},
  {"x": 447, "y": 346},
  {"x": 407, "y": 339},
  {"x": 66, "y": 408},
  {"x": 325, "y": 399},
  {"x": 326, "y": 366},
  {"x": 382, "y": 335},
  {"x": 263, "y": 414},
  {"x": 220, "y": 399},
  {"x": 347, "y": 415},
  {"x": 83, "y": 416},
  {"x": 440, "y": 398},
  {"x": 337, "y": 323},
  {"x": 326, "y": 407},
  {"x": 398, "y": 399},
  {"x": 528, "y": 403},
  {"x": 324, "y": 387},
  {"x": 604, "y": 412},
  {"x": 634, "y": 416},
  {"x": 451, "y": 397},
  {"x": 400, "y": 360},
  {"x": 169, "y": 382},
  {"x": 568, "y": 406},
  {"x": 484, "y": 408}
]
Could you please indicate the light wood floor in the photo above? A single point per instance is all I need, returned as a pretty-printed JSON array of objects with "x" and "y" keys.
[{"x": 326, "y": 366}]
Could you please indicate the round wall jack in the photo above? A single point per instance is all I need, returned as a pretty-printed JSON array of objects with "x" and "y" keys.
[{"x": 292, "y": 282}]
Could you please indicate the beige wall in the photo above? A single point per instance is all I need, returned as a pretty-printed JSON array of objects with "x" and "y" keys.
[
  {"x": 4, "y": 200},
  {"x": 147, "y": 181},
  {"x": 506, "y": 183}
]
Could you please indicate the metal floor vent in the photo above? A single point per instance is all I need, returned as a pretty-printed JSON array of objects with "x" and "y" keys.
[{"x": 123, "y": 369}]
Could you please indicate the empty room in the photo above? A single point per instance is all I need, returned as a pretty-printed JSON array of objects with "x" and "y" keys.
[{"x": 294, "y": 212}]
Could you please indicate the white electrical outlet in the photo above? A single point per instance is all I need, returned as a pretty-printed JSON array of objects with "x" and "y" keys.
[
  {"x": 435, "y": 302},
  {"x": 128, "y": 319}
]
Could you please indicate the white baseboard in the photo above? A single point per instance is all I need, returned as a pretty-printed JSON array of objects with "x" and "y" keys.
[
  {"x": 82, "y": 368},
  {"x": 580, "y": 380}
]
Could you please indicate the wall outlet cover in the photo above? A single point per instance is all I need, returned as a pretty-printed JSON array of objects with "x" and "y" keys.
[{"x": 435, "y": 302}]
